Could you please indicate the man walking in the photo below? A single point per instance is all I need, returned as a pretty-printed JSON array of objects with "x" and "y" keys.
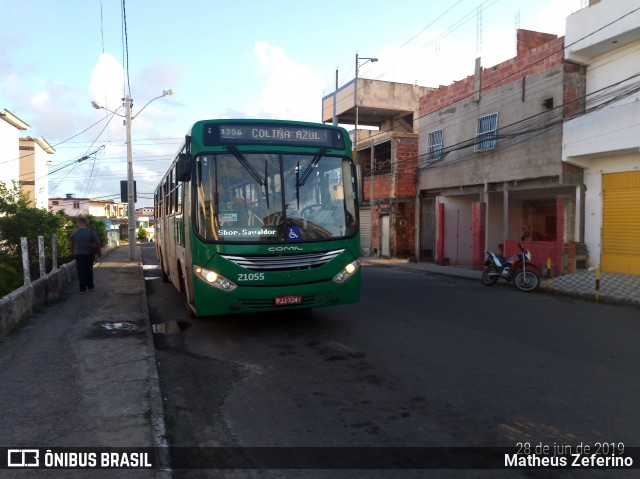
[{"x": 81, "y": 240}]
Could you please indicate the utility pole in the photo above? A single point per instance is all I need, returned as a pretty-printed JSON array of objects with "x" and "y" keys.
[
  {"x": 355, "y": 140},
  {"x": 130, "y": 183},
  {"x": 128, "y": 119},
  {"x": 355, "y": 96}
]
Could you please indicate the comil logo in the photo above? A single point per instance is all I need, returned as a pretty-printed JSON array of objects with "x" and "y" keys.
[
  {"x": 23, "y": 458},
  {"x": 284, "y": 249}
]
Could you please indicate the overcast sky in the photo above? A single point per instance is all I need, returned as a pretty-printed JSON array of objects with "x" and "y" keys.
[{"x": 224, "y": 59}]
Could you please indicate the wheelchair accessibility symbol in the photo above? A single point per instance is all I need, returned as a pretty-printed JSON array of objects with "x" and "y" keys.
[{"x": 293, "y": 233}]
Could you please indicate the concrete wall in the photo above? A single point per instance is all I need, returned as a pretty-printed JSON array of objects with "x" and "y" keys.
[
  {"x": 387, "y": 97},
  {"x": 338, "y": 101},
  {"x": 21, "y": 303},
  {"x": 495, "y": 216},
  {"x": 529, "y": 153},
  {"x": 527, "y": 92}
]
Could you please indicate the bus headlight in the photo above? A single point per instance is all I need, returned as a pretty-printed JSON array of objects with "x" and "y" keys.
[
  {"x": 214, "y": 279},
  {"x": 347, "y": 272}
]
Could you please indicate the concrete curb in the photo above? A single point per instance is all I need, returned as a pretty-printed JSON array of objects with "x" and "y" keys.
[{"x": 158, "y": 426}]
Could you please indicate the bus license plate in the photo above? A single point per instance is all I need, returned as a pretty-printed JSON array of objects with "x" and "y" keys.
[{"x": 288, "y": 299}]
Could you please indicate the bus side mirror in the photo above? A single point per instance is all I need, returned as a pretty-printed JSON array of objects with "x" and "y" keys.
[
  {"x": 357, "y": 173},
  {"x": 183, "y": 171}
]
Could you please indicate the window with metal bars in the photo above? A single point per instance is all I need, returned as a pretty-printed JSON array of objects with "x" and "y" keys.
[
  {"x": 434, "y": 148},
  {"x": 486, "y": 132}
]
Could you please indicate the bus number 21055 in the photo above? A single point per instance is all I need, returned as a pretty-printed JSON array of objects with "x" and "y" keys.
[{"x": 251, "y": 277}]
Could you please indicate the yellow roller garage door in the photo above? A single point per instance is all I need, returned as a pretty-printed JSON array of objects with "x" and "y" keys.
[{"x": 621, "y": 222}]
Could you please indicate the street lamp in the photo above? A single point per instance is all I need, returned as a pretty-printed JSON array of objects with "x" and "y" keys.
[
  {"x": 355, "y": 150},
  {"x": 358, "y": 65},
  {"x": 130, "y": 189}
]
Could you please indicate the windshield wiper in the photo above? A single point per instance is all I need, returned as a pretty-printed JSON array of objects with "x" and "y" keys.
[
  {"x": 307, "y": 173},
  {"x": 247, "y": 166},
  {"x": 305, "y": 176},
  {"x": 298, "y": 184},
  {"x": 266, "y": 182},
  {"x": 252, "y": 171}
]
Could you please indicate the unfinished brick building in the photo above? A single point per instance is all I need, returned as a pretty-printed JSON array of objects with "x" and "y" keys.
[
  {"x": 490, "y": 166},
  {"x": 386, "y": 150}
]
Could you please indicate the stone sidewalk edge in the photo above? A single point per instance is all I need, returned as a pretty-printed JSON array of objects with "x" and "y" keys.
[{"x": 158, "y": 426}]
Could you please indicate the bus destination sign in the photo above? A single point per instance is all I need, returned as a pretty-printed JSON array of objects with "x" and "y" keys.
[{"x": 271, "y": 134}]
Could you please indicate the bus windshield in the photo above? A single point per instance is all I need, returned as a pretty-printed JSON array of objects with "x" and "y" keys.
[{"x": 274, "y": 197}]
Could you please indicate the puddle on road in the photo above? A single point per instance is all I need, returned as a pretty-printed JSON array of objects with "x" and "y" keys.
[
  {"x": 170, "y": 327},
  {"x": 110, "y": 329},
  {"x": 168, "y": 336},
  {"x": 119, "y": 326},
  {"x": 149, "y": 278}
]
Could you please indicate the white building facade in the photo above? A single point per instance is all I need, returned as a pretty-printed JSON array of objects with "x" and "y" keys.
[
  {"x": 10, "y": 129},
  {"x": 34, "y": 170},
  {"x": 24, "y": 160},
  {"x": 605, "y": 140}
]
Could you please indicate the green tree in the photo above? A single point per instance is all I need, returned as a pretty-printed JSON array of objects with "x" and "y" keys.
[
  {"x": 10, "y": 280},
  {"x": 18, "y": 219},
  {"x": 142, "y": 233},
  {"x": 12, "y": 199}
]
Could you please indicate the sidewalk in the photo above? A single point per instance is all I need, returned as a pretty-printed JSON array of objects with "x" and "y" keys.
[
  {"x": 613, "y": 288},
  {"x": 81, "y": 373}
]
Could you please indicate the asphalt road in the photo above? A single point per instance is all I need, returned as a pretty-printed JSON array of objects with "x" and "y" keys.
[{"x": 421, "y": 361}]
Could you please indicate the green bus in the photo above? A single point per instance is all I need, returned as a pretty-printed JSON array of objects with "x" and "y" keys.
[{"x": 260, "y": 215}]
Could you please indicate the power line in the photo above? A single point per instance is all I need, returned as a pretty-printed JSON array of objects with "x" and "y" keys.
[
  {"x": 458, "y": 23},
  {"x": 540, "y": 122},
  {"x": 523, "y": 69},
  {"x": 430, "y": 24},
  {"x": 125, "y": 46},
  {"x": 469, "y": 16},
  {"x": 56, "y": 144},
  {"x": 101, "y": 27},
  {"x": 86, "y": 156},
  {"x": 531, "y": 127},
  {"x": 564, "y": 47},
  {"x": 90, "y": 182}
]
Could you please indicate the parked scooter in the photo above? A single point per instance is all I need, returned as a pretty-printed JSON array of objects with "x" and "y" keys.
[{"x": 517, "y": 269}]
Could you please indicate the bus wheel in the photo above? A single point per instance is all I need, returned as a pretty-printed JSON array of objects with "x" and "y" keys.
[
  {"x": 183, "y": 292},
  {"x": 163, "y": 274}
]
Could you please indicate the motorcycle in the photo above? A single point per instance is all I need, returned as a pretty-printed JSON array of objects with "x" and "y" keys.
[{"x": 517, "y": 269}]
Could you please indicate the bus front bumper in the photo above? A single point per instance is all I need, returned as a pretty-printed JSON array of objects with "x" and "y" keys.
[{"x": 210, "y": 301}]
